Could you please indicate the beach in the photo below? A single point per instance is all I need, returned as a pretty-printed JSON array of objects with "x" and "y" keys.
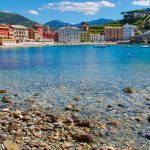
[{"x": 40, "y": 44}]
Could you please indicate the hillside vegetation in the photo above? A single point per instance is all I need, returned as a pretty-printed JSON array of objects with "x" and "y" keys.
[
  {"x": 142, "y": 21},
  {"x": 11, "y": 18}
]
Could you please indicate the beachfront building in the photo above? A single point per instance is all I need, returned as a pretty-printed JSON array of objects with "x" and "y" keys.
[
  {"x": 56, "y": 37},
  {"x": 6, "y": 38},
  {"x": 129, "y": 31},
  {"x": 33, "y": 34},
  {"x": 95, "y": 37},
  {"x": 48, "y": 34},
  {"x": 102, "y": 38},
  {"x": 68, "y": 35},
  {"x": 85, "y": 36},
  {"x": 39, "y": 29},
  {"x": 84, "y": 26},
  {"x": 113, "y": 33},
  {"x": 4, "y": 31},
  {"x": 7, "y": 41},
  {"x": 21, "y": 33}
]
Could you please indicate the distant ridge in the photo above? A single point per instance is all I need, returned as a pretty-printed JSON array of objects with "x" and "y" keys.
[
  {"x": 58, "y": 24},
  {"x": 12, "y": 18}
]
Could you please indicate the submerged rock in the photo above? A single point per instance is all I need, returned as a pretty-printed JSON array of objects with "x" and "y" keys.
[
  {"x": 121, "y": 105},
  {"x": 148, "y": 135},
  {"x": 6, "y": 99},
  {"x": 77, "y": 98},
  {"x": 88, "y": 138},
  {"x": 107, "y": 148},
  {"x": 69, "y": 107},
  {"x": 112, "y": 122},
  {"x": 148, "y": 99},
  {"x": 128, "y": 90},
  {"x": 138, "y": 118},
  {"x": 148, "y": 119},
  {"x": 3, "y": 91},
  {"x": 83, "y": 122}
]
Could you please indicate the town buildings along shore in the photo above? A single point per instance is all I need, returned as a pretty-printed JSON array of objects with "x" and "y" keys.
[{"x": 12, "y": 34}]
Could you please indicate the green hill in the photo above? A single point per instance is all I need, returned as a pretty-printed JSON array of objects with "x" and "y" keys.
[
  {"x": 140, "y": 18},
  {"x": 12, "y": 18}
]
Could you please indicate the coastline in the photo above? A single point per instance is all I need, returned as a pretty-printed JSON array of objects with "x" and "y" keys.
[{"x": 41, "y": 44}]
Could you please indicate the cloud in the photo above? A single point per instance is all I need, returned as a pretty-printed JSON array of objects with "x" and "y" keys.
[
  {"x": 6, "y": 11},
  {"x": 33, "y": 12},
  {"x": 87, "y": 8},
  {"x": 141, "y": 2}
]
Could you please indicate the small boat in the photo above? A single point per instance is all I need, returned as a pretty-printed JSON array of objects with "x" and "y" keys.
[
  {"x": 129, "y": 46},
  {"x": 101, "y": 46},
  {"x": 145, "y": 46}
]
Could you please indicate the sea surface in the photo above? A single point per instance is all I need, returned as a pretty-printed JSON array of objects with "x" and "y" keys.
[{"x": 54, "y": 75}]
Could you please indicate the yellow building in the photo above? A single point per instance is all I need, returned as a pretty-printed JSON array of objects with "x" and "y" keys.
[{"x": 85, "y": 36}]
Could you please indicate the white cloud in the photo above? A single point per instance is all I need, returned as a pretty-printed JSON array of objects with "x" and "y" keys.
[
  {"x": 41, "y": 8},
  {"x": 6, "y": 11},
  {"x": 87, "y": 8},
  {"x": 141, "y": 2},
  {"x": 33, "y": 12}
]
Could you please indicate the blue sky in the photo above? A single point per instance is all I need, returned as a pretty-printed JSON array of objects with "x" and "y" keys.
[{"x": 72, "y": 11}]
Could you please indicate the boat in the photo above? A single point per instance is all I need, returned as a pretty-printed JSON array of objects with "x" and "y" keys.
[
  {"x": 145, "y": 46},
  {"x": 129, "y": 46},
  {"x": 100, "y": 46}
]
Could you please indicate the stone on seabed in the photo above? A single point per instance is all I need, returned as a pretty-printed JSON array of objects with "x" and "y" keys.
[
  {"x": 128, "y": 90},
  {"x": 107, "y": 148},
  {"x": 6, "y": 99},
  {"x": 88, "y": 138},
  {"x": 3, "y": 91}
]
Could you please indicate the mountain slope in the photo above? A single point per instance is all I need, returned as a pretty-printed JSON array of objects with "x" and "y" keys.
[
  {"x": 58, "y": 24},
  {"x": 12, "y": 18}
]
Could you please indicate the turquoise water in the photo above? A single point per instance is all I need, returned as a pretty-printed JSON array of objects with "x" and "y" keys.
[{"x": 97, "y": 75}]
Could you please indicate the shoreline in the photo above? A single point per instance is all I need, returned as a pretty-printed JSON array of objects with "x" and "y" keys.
[{"x": 55, "y": 44}]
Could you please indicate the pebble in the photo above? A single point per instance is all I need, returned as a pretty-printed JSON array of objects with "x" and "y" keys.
[
  {"x": 6, "y": 110},
  {"x": 107, "y": 148},
  {"x": 6, "y": 99},
  {"x": 77, "y": 98},
  {"x": 88, "y": 138},
  {"x": 148, "y": 119},
  {"x": 112, "y": 122},
  {"x": 3, "y": 91},
  {"x": 128, "y": 90}
]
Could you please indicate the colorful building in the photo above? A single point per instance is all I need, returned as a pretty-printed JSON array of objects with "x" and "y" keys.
[
  {"x": 33, "y": 34},
  {"x": 84, "y": 26},
  {"x": 21, "y": 33},
  {"x": 85, "y": 36},
  {"x": 4, "y": 31},
  {"x": 7, "y": 41},
  {"x": 38, "y": 28},
  {"x": 68, "y": 35},
  {"x": 56, "y": 37},
  {"x": 113, "y": 33},
  {"x": 129, "y": 31},
  {"x": 49, "y": 35}
]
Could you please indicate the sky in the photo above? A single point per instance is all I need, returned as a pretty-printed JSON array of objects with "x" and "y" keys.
[{"x": 71, "y": 11}]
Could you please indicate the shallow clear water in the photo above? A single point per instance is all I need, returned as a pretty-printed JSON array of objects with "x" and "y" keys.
[{"x": 59, "y": 73}]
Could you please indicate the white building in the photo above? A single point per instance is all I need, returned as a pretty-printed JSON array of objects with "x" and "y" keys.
[
  {"x": 68, "y": 35},
  {"x": 21, "y": 33},
  {"x": 129, "y": 31},
  {"x": 95, "y": 37}
]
